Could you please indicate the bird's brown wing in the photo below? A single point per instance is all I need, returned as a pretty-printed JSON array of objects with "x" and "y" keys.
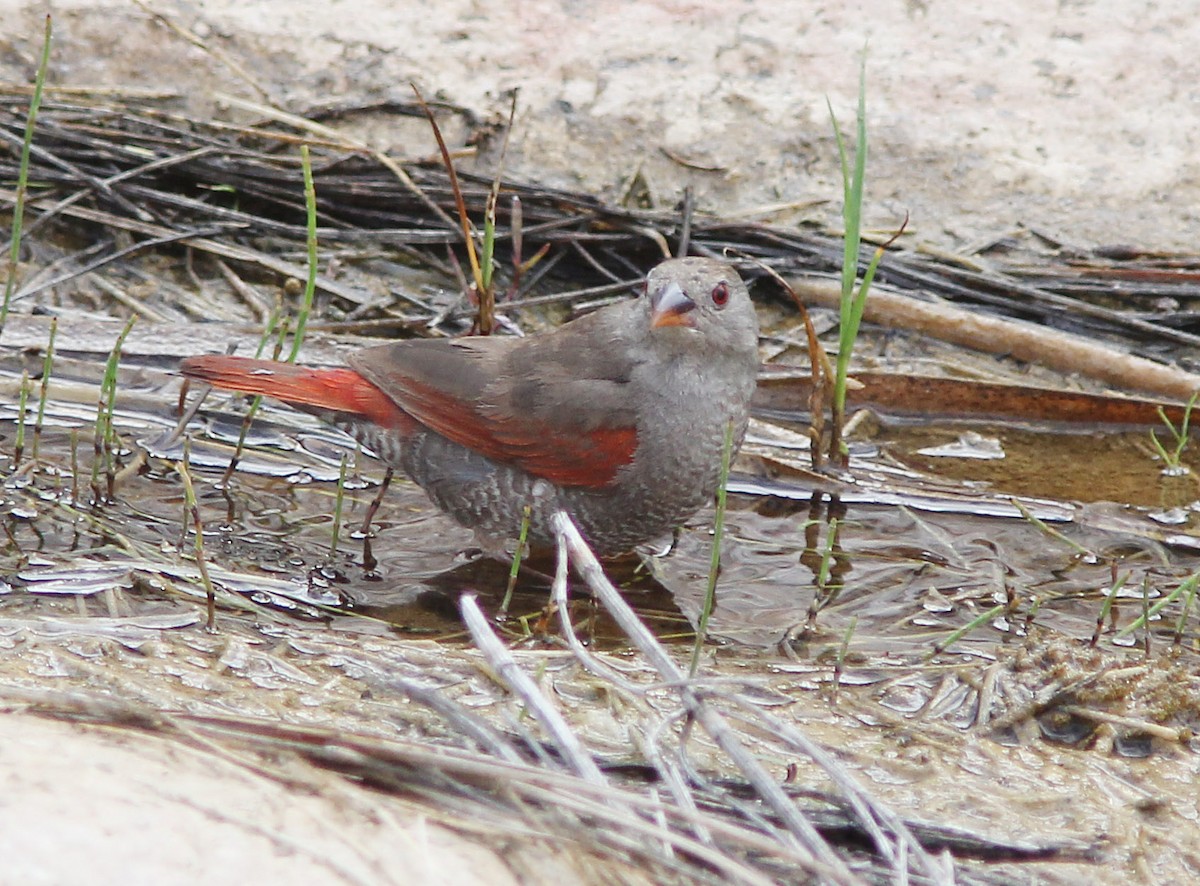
[{"x": 533, "y": 403}]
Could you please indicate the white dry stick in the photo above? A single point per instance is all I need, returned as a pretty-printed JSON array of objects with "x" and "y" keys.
[
  {"x": 669, "y": 774},
  {"x": 1016, "y": 338},
  {"x": 807, "y": 838},
  {"x": 506, "y": 667},
  {"x": 594, "y": 666},
  {"x": 869, "y": 811}
]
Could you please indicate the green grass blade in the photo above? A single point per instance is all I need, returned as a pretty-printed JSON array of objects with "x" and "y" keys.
[
  {"x": 979, "y": 620},
  {"x": 47, "y": 369},
  {"x": 338, "y": 504},
  {"x": 22, "y": 401},
  {"x": 714, "y": 568},
  {"x": 14, "y": 251}
]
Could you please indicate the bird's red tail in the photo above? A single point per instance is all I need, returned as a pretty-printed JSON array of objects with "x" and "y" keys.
[{"x": 337, "y": 390}]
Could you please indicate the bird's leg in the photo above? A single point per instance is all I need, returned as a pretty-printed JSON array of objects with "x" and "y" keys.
[{"x": 676, "y": 534}]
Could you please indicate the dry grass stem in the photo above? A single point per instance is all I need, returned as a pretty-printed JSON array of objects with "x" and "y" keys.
[{"x": 1015, "y": 338}]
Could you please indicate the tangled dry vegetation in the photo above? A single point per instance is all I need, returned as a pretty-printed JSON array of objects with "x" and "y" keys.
[{"x": 619, "y": 757}]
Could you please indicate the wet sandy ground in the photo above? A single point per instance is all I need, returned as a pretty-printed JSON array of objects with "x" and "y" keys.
[
  {"x": 1076, "y": 122},
  {"x": 1076, "y": 119}
]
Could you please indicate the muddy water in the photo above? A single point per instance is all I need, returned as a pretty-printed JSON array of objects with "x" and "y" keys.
[
  {"x": 899, "y": 559},
  {"x": 1086, "y": 465},
  {"x": 106, "y": 598}
]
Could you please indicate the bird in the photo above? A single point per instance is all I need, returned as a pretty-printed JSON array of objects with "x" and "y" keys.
[{"x": 619, "y": 418}]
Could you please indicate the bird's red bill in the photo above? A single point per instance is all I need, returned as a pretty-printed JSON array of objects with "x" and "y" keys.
[{"x": 671, "y": 319}]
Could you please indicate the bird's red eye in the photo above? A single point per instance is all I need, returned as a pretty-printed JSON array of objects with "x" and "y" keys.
[{"x": 720, "y": 294}]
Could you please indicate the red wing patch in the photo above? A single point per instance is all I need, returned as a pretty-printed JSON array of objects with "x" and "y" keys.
[
  {"x": 567, "y": 457},
  {"x": 564, "y": 456},
  {"x": 339, "y": 390}
]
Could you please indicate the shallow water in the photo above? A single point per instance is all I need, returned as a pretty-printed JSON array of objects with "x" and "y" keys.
[{"x": 924, "y": 542}]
